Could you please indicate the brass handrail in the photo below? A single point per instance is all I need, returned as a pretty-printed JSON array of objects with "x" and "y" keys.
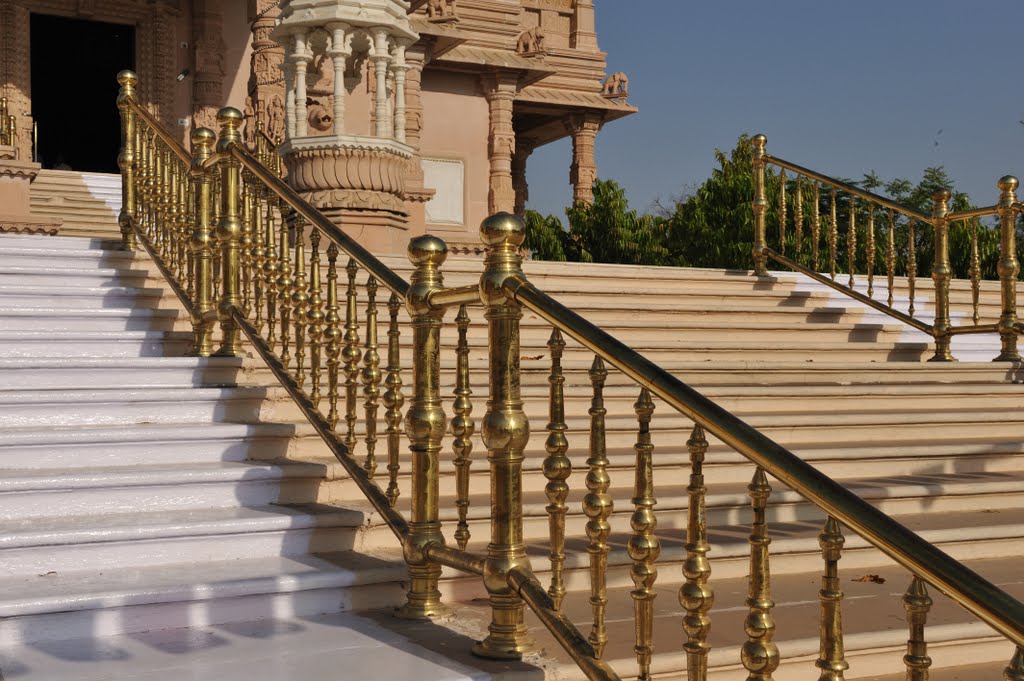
[
  {"x": 940, "y": 220},
  {"x": 977, "y": 595},
  {"x": 153, "y": 124},
  {"x": 849, "y": 188}
]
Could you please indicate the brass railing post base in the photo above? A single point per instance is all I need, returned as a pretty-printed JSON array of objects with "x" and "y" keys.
[
  {"x": 508, "y": 638},
  {"x": 942, "y": 353}
]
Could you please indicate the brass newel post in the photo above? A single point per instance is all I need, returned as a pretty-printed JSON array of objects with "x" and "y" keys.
[
  {"x": 505, "y": 431},
  {"x": 1008, "y": 268},
  {"x": 942, "y": 272},
  {"x": 760, "y": 206},
  {"x": 229, "y": 232},
  {"x": 205, "y": 312},
  {"x": 126, "y": 159},
  {"x": 425, "y": 424}
]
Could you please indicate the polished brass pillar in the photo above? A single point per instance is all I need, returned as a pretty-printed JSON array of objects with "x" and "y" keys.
[
  {"x": 229, "y": 232},
  {"x": 425, "y": 424},
  {"x": 1008, "y": 268},
  {"x": 126, "y": 159},
  {"x": 942, "y": 272},
  {"x": 204, "y": 312},
  {"x": 760, "y": 205},
  {"x": 505, "y": 431}
]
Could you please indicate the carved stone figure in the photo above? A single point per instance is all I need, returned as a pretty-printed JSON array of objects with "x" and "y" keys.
[
  {"x": 318, "y": 116},
  {"x": 249, "y": 131},
  {"x": 441, "y": 10},
  {"x": 531, "y": 42},
  {"x": 616, "y": 85},
  {"x": 275, "y": 119}
]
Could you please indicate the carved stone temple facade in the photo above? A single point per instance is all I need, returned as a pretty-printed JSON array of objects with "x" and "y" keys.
[{"x": 393, "y": 116}]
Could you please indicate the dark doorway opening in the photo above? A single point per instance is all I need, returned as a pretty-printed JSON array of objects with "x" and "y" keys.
[{"x": 74, "y": 90}]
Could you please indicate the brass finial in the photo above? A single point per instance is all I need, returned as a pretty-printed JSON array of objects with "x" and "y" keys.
[
  {"x": 503, "y": 229},
  {"x": 1008, "y": 183},
  {"x": 230, "y": 120},
  {"x": 127, "y": 80}
]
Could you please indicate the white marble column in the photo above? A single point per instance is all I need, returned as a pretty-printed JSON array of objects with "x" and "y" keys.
[
  {"x": 339, "y": 53},
  {"x": 300, "y": 59},
  {"x": 381, "y": 58},
  {"x": 289, "y": 97},
  {"x": 400, "y": 69}
]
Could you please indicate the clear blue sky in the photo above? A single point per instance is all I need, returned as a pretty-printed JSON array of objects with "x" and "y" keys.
[{"x": 840, "y": 87}]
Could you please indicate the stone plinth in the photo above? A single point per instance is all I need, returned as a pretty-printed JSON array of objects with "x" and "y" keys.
[
  {"x": 357, "y": 182},
  {"x": 15, "y": 178}
]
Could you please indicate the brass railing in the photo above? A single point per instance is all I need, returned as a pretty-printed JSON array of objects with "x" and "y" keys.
[
  {"x": 264, "y": 280},
  {"x": 8, "y": 125},
  {"x": 824, "y": 224}
]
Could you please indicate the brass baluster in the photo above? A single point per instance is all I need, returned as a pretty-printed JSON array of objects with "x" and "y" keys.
[
  {"x": 890, "y": 254},
  {"x": 760, "y": 206},
  {"x": 917, "y": 603},
  {"x": 393, "y": 398},
  {"x": 164, "y": 204},
  {"x": 782, "y": 212},
  {"x": 425, "y": 425},
  {"x": 942, "y": 272},
  {"x": 228, "y": 232},
  {"x": 760, "y": 655},
  {"x": 462, "y": 425},
  {"x": 271, "y": 268},
  {"x": 695, "y": 595},
  {"x": 831, "y": 660},
  {"x": 332, "y": 335},
  {"x": 1008, "y": 269},
  {"x": 557, "y": 468},
  {"x": 975, "y": 270},
  {"x": 246, "y": 243},
  {"x": 284, "y": 291},
  {"x": 259, "y": 256},
  {"x": 598, "y": 506},
  {"x": 204, "y": 311},
  {"x": 1015, "y": 670},
  {"x": 315, "y": 317},
  {"x": 190, "y": 215},
  {"x": 911, "y": 265},
  {"x": 798, "y": 216},
  {"x": 851, "y": 241},
  {"x": 371, "y": 377},
  {"x": 215, "y": 197},
  {"x": 871, "y": 250},
  {"x": 816, "y": 226},
  {"x": 833, "y": 237},
  {"x": 350, "y": 355},
  {"x": 644, "y": 547},
  {"x": 173, "y": 219},
  {"x": 300, "y": 300}
]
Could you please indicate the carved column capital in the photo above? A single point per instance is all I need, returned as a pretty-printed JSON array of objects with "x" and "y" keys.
[{"x": 583, "y": 126}]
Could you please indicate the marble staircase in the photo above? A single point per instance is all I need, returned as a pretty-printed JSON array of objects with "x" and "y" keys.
[{"x": 170, "y": 517}]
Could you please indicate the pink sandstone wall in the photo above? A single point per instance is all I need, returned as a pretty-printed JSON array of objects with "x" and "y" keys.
[{"x": 456, "y": 124}]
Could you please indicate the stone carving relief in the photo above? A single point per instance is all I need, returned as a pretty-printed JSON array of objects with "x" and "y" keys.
[
  {"x": 441, "y": 11},
  {"x": 531, "y": 41},
  {"x": 266, "y": 80},
  {"x": 616, "y": 86}
]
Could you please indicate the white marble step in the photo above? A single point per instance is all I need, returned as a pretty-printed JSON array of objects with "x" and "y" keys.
[
  {"x": 128, "y": 372},
  {"x": 193, "y": 594},
  {"x": 103, "y": 319},
  {"x": 33, "y": 493},
  {"x": 55, "y": 243},
  {"x": 81, "y": 297},
  {"x": 91, "y": 447},
  {"x": 335, "y": 647},
  {"x": 58, "y": 544},
  {"x": 33, "y": 344},
  {"x": 87, "y": 277},
  {"x": 14, "y": 254},
  {"x": 112, "y": 405}
]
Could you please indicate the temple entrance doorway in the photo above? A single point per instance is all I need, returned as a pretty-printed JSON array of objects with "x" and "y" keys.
[{"x": 74, "y": 62}]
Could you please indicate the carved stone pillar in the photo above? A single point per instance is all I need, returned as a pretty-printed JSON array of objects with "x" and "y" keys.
[
  {"x": 519, "y": 184},
  {"x": 416, "y": 195},
  {"x": 583, "y": 34},
  {"x": 399, "y": 67},
  {"x": 300, "y": 59},
  {"x": 266, "y": 80},
  {"x": 289, "y": 84},
  {"x": 339, "y": 53},
  {"x": 381, "y": 58},
  {"x": 583, "y": 171},
  {"x": 500, "y": 90},
  {"x": 208, "y": 39}
]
